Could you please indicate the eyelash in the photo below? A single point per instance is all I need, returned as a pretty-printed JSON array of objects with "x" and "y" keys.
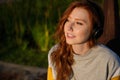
[{"x": 79, "y": 23}]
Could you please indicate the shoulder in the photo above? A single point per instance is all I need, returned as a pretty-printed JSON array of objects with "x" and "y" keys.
[
  {"x": 107, "y": 54},
  {"x": 50, "y": 52},
  {"x": 52, "y": 49},
  {"x": 113, "y": 61},
  {"x": 104, "y": 50}
]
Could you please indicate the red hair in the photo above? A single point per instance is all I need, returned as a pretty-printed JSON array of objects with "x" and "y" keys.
[{"x": 62, "y": 57}]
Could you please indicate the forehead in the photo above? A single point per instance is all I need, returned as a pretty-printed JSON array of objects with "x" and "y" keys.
[{"x": 79, "y": 13}]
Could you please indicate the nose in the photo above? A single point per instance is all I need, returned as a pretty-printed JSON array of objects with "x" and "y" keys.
[{"x": 71, "y": 27}]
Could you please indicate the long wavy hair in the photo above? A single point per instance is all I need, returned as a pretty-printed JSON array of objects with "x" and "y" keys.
[{"x": 62, "y": 57}]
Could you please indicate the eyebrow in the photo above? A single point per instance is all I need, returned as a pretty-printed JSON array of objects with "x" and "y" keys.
[{"x": 78, "y": 19}]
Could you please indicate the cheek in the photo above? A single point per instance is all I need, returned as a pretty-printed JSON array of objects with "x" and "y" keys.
[
  {"x": 87, "y": 32},
  {"x": 65, "y": 28},
  {"x": 83, "y": 34}
]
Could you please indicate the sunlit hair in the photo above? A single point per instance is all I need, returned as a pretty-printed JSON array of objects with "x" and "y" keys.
[{"x": 62, "y": 57}]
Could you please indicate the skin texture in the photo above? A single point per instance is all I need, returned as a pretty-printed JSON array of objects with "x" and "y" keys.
[{"x": 77, "y": 30}]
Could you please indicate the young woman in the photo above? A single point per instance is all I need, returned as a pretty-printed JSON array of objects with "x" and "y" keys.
[{"x": 78, "y": 56}]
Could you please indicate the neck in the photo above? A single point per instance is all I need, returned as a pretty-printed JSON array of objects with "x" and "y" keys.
[{"x": 80, "y": 49}]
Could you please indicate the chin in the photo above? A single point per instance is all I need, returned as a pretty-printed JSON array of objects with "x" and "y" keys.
[{"x": 70, "y": 42}]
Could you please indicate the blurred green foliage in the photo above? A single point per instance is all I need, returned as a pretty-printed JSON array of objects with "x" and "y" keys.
[{"x": 26, "y": 29}]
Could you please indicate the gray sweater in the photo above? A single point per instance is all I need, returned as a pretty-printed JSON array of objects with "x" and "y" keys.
[{"x": 99, "y": 63}]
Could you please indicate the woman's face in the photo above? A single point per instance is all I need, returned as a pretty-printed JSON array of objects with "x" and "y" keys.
[{"x": 77, "y": 28}]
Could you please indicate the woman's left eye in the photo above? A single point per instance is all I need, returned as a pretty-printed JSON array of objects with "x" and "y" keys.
[{"x": 79, "y": 23}]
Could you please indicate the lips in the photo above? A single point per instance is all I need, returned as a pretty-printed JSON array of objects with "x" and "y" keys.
[{"x": 68, "y": 35}]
